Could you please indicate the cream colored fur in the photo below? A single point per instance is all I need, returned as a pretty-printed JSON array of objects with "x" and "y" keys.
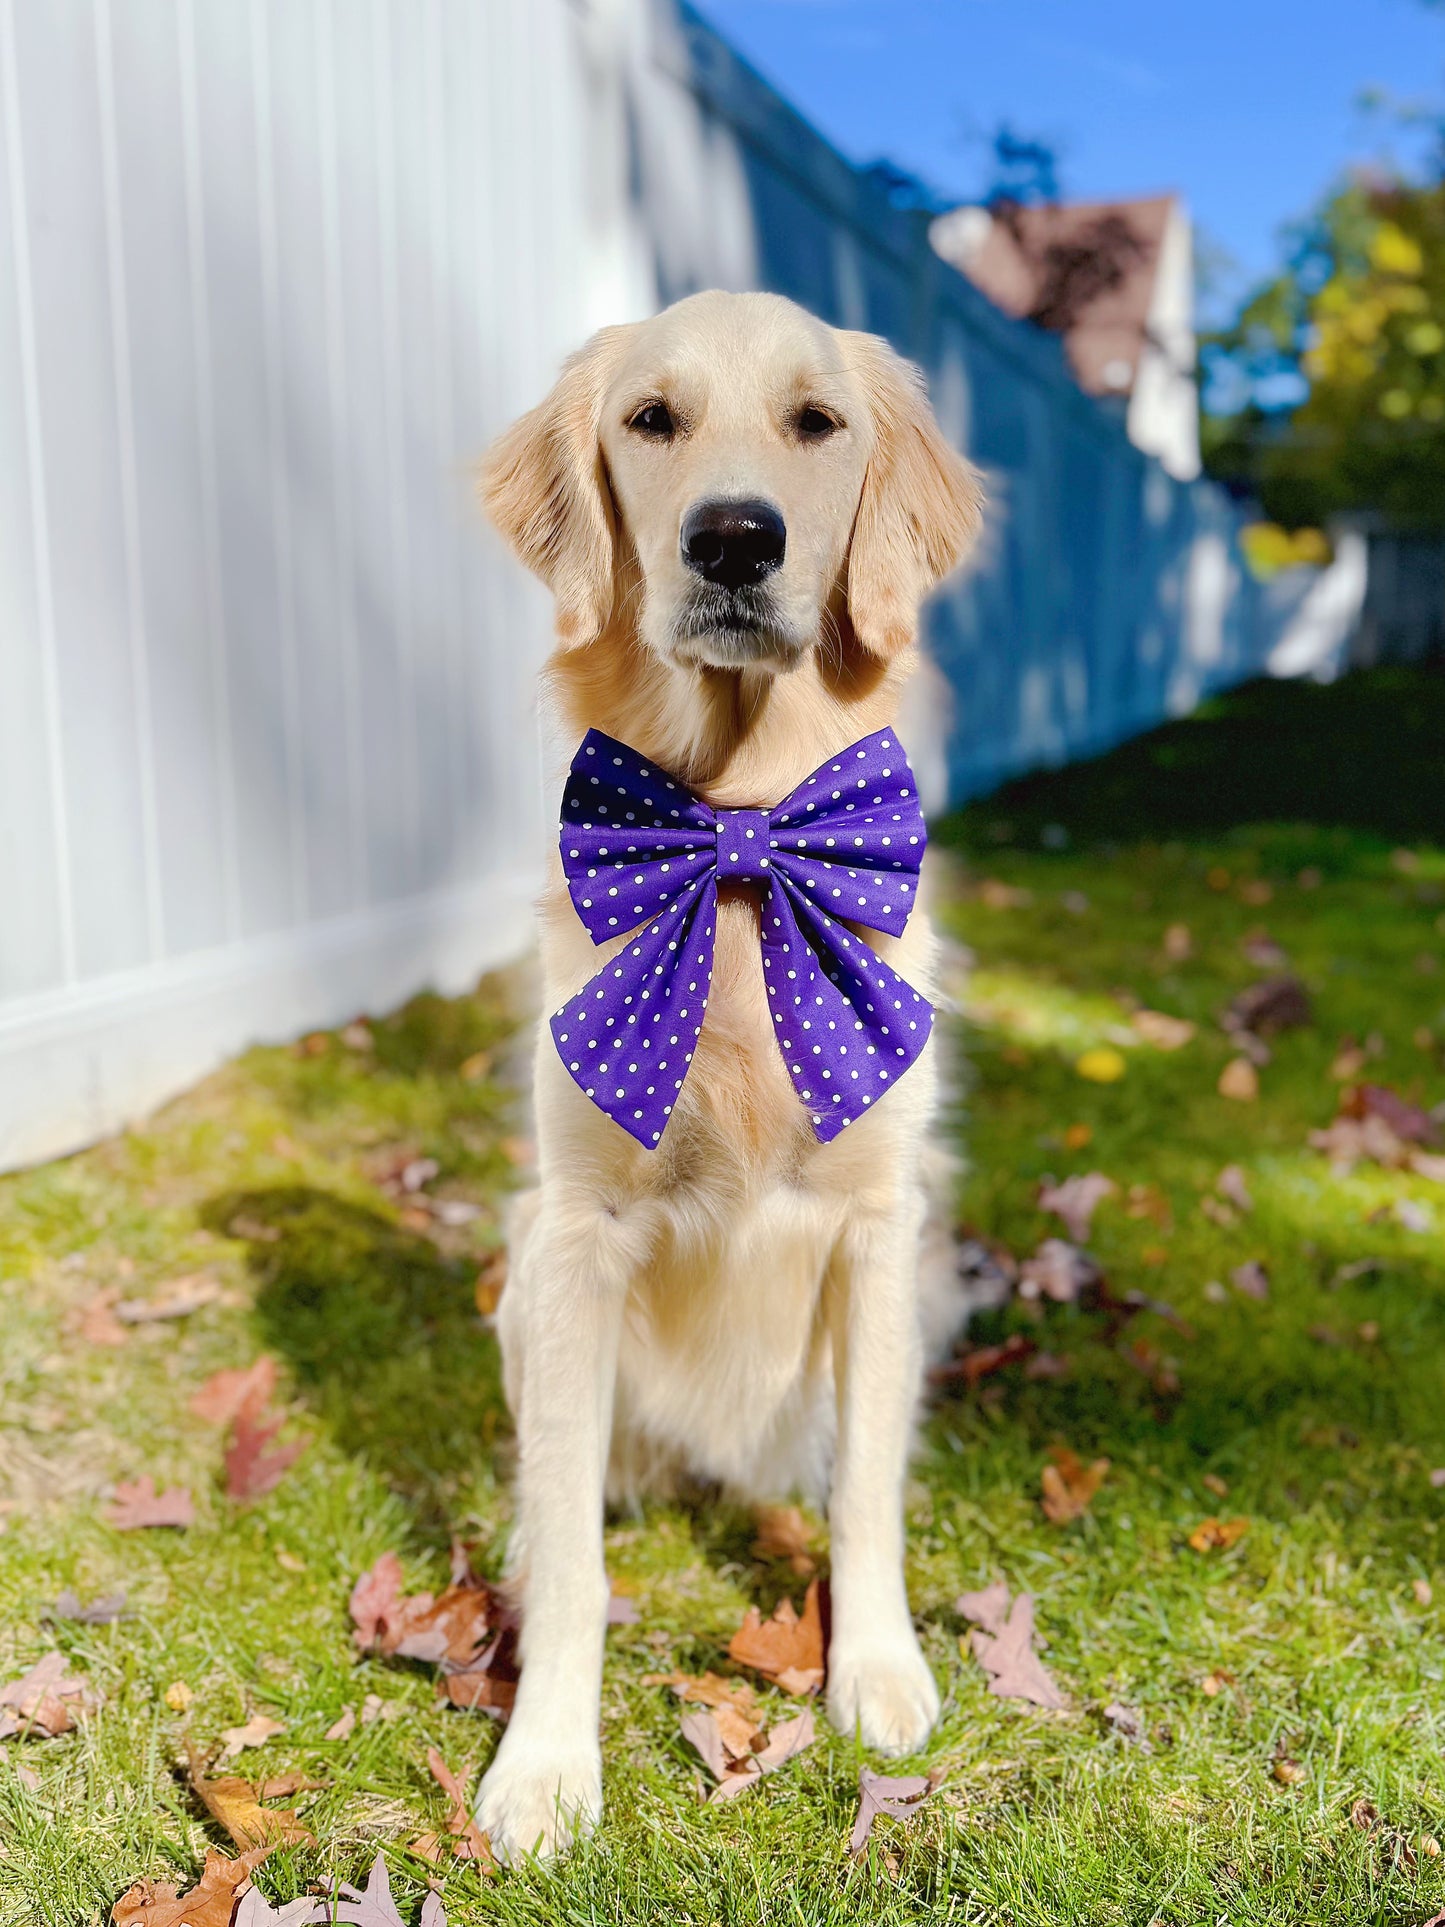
[{"x": 741, "y": 1303}]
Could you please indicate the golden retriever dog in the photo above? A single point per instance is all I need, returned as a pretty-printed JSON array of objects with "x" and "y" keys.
[{"x": 738, "y": 510}]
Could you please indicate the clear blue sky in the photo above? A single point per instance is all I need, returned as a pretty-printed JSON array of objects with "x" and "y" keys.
[{"x": 1247, "y": 107}]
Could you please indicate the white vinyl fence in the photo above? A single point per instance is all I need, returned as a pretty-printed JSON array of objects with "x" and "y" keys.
[{"x": 272, "y": 272}]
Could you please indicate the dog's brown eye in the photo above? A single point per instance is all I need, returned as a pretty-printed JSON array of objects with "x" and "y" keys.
[
  {"x": 653, "y": 420},
  {"x": 814, "y": 425}
]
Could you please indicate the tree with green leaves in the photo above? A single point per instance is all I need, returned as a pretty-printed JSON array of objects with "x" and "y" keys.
[{"x": 1327, "y": 393}]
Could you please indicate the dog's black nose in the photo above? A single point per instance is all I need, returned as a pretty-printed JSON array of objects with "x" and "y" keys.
[{"x": 734, "y": 544}]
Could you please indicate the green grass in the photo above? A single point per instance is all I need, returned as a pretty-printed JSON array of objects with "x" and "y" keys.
[{"x": 1039, "y": 1818}]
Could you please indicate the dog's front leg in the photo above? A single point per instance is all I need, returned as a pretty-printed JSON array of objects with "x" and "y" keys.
[
  {"x": 878, "y": 1681},
  {"x": 560, "y": 1323}
]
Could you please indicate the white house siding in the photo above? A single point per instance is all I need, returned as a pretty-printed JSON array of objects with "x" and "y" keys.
[{"x": 274, "y": 271}]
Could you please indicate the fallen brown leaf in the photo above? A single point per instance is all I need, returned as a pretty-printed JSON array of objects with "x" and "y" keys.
[
  {"x": 1231, "y": 1184},
  {"x": 1212, "y": 1535},
  {"x": 900, "y": 1798},
  {"x": 1075, "y": 1201},
  {"x": 137, "y": 1505},
  {"x": 1251, "y": 1280},
  {"x": 257, "y": 1730},
  {"x": 1178, "y": 943},
  {"x": 788, "y": 1648},
  {"x": 1278, "y": 1003},
  {"x": 211, "y": 1903},
  {"x": 1069, "y": 1485},
  {"x": 235, "y": 1805},
  {"x": 1163, "y": 1032},
  {"x": 100, "y": 1612},
  {"x": 176, "y": 1299},
  {"x": 1239, "y": 1080},
  {"x": 488, "y": 1683},
  {"x": 1408, "y": 1121},
  {"x": 452, "y": 1625},
  {"x": 471, "y": 1842},
  {"x": 254, "y": 1466},
  {"x": 342, "y": 1728},
  {"x": 1213, "y": 1483},
  {"x": 984, "y": 1360},
  {"x": 1148, "y": 1201},
  {"x": 96, "y": 1321},
  {"x": 225, "y": 1395},
  {"x": 738, "y": 1721},
  {"x": 34, "y": 1705},
  {"x": 1128, "y": 1723},
  {"x": 1059, "y": 1271},
  {"x": 1003, "y": 1646},
  {"x": 783, "y": 1533},
  {"x": 1424, "y": 1592},
  {"x": 1213, "y": 1684}
]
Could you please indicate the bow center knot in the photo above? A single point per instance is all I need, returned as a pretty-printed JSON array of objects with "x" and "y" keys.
[{"x": 742, "y": 846}]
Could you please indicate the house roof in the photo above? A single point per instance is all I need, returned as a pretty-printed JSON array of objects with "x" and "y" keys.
[{"x": 1087, "y": 270}]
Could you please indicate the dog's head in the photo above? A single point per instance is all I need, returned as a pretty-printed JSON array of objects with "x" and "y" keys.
[{"x": 729, "y": 475}]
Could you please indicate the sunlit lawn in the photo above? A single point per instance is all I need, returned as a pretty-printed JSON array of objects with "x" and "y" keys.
[{"x": 1316, "y": 1415}]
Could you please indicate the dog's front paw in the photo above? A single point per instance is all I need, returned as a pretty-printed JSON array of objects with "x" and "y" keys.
[
  {"x": 885, "y": 1693},
  {"x": 538, "y": 1798}
]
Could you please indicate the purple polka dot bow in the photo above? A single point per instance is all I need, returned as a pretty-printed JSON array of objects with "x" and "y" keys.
[{"x": 844, "y": 849}]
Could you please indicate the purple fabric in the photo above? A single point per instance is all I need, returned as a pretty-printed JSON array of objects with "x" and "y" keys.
[{"x": 844, "y": 849}]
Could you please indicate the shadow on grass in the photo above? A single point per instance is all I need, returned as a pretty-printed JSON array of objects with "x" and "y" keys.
[
  {"x": 381, "y": 1332},
  {"x": 1361, "y": 755}
]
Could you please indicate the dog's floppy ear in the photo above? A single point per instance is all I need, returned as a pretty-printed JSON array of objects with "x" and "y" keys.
[
  {"x": 544, "y": 485},
  {"x": 920, "y": 505}
]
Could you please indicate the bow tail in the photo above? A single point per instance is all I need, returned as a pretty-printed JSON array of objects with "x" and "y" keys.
[
  {"x": 848, "y": 1026},
  {"x": 628, "y": 1037}
]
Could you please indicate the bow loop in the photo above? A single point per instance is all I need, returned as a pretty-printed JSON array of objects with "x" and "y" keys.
[{"x": 843, "y": 850}]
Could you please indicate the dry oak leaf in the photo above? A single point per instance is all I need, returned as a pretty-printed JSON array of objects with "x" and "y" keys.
[
  {"x": 1076, "y": 1200},
  {"x": 1069, "y": 1485},
  {"x": 256, "y": 1911},
  {"x": 236, "y": 1806},
  {"x": 878, "y": 1793},
  {"x": 1239, "y": 1080},
  {"x": 176, "y": 1299},
  {"x": 374, "y": 1906},
  {"x": 253, "y": 1470},
  {"x": 1251, "y": 1279},
  {"x": 137, "y": 1505},
  {"x": 225, "y": 1395},
  {"x": 1128, "y": 1723},
  {"x": 981, "y": 1361},
  {"x": 342, "y": 1729},
  {"x": 471, "y": 1842},
  {"x": 1231, "y": 1184},
  {"x": 211, "y": 1903},
  {"x": 451, "y": 1626},
  {"x": 100, "y": 1612},
  {"x": 732, "y": 1700},
  {"x": 783, "y": 1533},
  {"x": 1162, "y": 1031},
  {"x": 257, "y": 1730},
  {"x": 1002, "y": 1642},
  {"x": 788, "y": 1648},
  {"x": 1057, "y": 1270},
  {"x": 488, "y": 1683},
  {"x": 96, "y": 1321},
  {"x": 1218, "y": 1534},
  {"x": 1278, "y": 1003},
  {"x": 35, "y": 1705},
  {"x": 735, "y": 1768}
]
